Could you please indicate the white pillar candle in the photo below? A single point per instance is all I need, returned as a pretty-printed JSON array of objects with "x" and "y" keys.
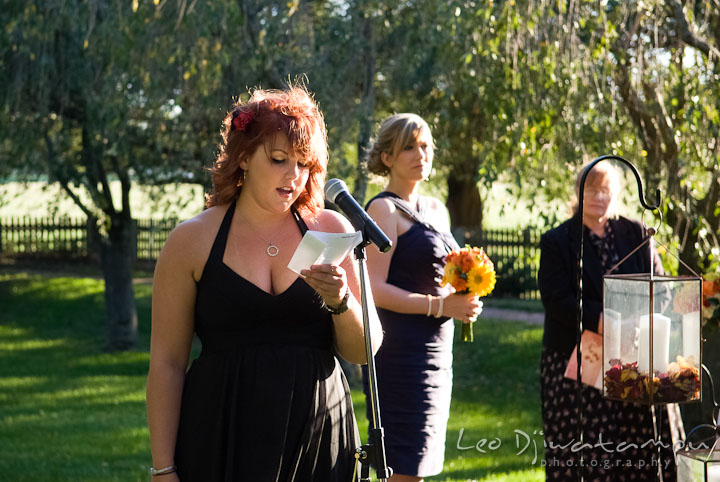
[
  {"x": 661, "y": 343},
  {"x": 611, "y": 335},
  {"x": 713, "y": 473},
  {"x": 691, "y": 335}
]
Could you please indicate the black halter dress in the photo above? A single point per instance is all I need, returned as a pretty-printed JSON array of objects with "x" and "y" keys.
[{"x": 266, "y": 399}]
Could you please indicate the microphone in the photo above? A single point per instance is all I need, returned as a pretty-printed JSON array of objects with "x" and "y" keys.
[{"x": 336, "y": 191}]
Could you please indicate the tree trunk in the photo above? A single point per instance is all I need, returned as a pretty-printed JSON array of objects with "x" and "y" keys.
[
  {"x": 464, "y": 203},
  {"x": 117, "y": 254},
  {"x": 363, "y": 144},
  {"x": 367, "y": 106}
]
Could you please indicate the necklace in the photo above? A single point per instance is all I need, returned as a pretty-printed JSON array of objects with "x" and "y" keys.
[{"x": 272, "y": 250}]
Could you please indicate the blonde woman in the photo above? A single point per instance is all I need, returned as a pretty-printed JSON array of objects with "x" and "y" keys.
[{"x": 414, "y": 365}]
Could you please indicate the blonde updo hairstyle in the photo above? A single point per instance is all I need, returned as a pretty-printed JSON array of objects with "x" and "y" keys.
[{"x": 394, "y": 134}]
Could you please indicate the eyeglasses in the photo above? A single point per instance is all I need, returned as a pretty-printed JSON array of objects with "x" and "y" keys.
[{"x": 603, "y": 193}]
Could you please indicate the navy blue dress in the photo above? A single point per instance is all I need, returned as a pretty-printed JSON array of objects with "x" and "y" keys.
[
  {"x": 414, "y": 363},
  {"x": 266, "y": 400}
]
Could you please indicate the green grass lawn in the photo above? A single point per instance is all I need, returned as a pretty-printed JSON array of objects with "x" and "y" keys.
[
  {"x": 69, "y": 412},
  {"x": 534, "y": 306}
]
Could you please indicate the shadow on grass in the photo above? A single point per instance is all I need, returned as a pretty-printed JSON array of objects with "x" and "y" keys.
[
  {"x": 68, "y": 308},
  {"x": 69, "y": 411},
  {"x": 77, "y": 413}
]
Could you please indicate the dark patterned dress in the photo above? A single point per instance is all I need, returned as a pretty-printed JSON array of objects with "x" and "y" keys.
[
  {"x": 620, "y": 433},
  {"x": 266, "y": 400},
  {"x": 414, "y": 363}
]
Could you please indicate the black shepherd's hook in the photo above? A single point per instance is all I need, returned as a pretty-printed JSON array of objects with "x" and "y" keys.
[{"x": 581, "y": 193}]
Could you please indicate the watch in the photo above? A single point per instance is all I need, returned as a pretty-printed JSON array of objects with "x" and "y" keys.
[{"x": 342, "y": 307}]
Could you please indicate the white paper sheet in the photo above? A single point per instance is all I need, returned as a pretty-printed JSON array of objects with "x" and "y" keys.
[{"x": 317, "y": 247}]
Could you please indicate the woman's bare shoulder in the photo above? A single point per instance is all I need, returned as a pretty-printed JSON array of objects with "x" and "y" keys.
[
  {"x": 190, "y": 242},
  {"x": 330, "y": 221},
  {"x": 382, "y": 206},
  {"x": 200, "y": 226}
]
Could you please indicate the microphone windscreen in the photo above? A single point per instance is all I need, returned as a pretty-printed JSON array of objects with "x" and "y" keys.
[{"x": 334, "y": 187}]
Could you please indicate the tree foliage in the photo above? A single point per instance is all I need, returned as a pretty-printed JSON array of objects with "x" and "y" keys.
[
  {"x": 642, "y": 80},
  {"x": 102, "y": 91},
  {"x": 522, "y": 91}
]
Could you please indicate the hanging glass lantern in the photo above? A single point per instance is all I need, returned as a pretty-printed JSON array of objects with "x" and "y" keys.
[
  {"x": 698, "y": 466},
  {"x": 651, "y": 338},
  {"x": 700, "y": 459}
]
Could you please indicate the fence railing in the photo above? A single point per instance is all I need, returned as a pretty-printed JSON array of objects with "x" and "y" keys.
[
  {"x": 151, "y": 237},
  {"x": 67, "y": 238},
  {"x": 516, "y": 256},
  {"x": 54, "y": 238},
  {"x": 515, "y": 252}
]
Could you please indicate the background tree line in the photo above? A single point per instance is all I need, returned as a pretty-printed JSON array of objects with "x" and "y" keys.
[{"x": 519, "y": 90}]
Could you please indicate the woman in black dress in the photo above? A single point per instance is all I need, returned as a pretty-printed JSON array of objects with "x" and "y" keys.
[
  {"x": 414, "y": 364},
  {"x": 621, "y": 433},
  {"x": 266, "y": 399}
]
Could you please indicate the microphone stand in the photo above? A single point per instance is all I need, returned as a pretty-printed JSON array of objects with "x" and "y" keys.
[{"x": 372, "y": 453}]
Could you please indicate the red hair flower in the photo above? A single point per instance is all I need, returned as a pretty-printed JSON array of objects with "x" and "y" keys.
[{"x": 241, "y": 119}]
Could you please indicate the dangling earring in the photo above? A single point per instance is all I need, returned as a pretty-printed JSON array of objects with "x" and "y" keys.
[{"x": 242, "y": 181}]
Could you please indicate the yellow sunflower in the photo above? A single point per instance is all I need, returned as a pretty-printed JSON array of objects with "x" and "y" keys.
[{"x": 481, "y": 279}]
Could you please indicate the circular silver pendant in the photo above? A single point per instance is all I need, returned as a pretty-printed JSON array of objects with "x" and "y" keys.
[{"x": 272, "y": 250}]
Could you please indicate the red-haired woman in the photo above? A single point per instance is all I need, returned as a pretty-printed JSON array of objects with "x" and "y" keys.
[{"x": 266, "y": 399}]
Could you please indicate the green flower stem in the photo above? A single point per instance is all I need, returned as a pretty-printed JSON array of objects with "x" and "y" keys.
[{"x": 467, "y": 332}]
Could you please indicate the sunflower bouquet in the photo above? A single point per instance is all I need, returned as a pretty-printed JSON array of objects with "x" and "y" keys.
[{"x": 469, "y": 270}]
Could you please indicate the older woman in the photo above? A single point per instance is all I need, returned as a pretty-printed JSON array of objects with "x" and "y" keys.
[
  {"x": 608, "y": 238},
  {"x": 266, "y": 399}
]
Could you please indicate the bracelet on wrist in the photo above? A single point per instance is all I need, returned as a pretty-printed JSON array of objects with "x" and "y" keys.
[
  {"x": 440, "y": 308},
  {"x": 429, "y": 300},
  {"x": 164, "y": 471},
  {"x": 342, "y": 307}
]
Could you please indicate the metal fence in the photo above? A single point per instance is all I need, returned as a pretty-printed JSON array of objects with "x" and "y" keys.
[
  {"x": 516, "y": 255},
  {"x": 64, "y": 238},
  {"x": 67, "y": 238},
  {"x": 515, "y": 252},
  {"x": 151, "y": 237}
]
